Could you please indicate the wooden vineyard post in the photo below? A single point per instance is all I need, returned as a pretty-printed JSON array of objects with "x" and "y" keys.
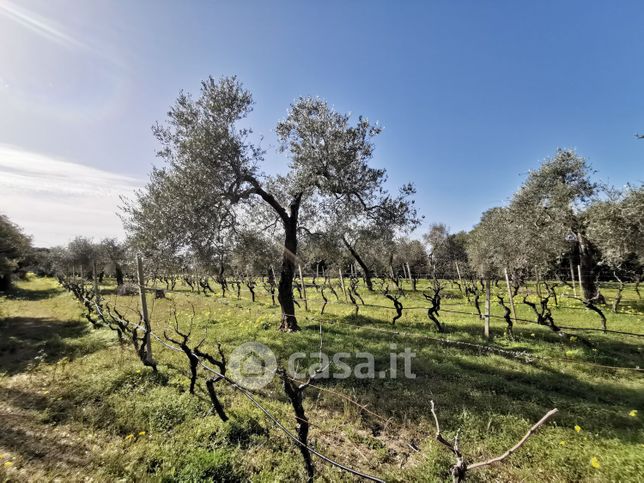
[
  {"x": 97, "y": 295},
  {"x": 572, "y": 277},
  {"x": 344, "y": 290},
  {"x": 408, "y": 273},
  {"x": 144, "y": 311},
  {"x": 581, "y": 286},
  {"x": 306, "y": 303},
  {"x": 507, "y": 282},
  {"x": 458, "y": 272},
  {"x": 486, "y": 330}
]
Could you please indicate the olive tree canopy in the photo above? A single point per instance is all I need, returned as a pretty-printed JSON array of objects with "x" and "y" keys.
[
  {"x": 544, "y": 221},
  {"x": 212, "y": 175},
  {"x": 547, "y": 214},
  {"x": 616, "y": 228},
  {"x": 15, "y": 248}
]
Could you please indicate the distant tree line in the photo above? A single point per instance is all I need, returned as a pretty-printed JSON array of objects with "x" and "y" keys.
[
  {"x": 15, "y": 252},
  {"x": 210, "y": 210}
]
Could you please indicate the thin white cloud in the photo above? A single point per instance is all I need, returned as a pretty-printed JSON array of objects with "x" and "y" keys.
[
  {"x": 55, "y": 200},
  {"x": 39, "y": 25},
  {"x": 33, "y": 80}
]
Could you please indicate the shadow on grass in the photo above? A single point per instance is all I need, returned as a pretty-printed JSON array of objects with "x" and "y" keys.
[
  {"x": 609, "y": 349},
  {"x": 636, "y": 306},
  {"x": 27, "y": 341},
  {"x": 25, "y": 435},
  {"x": 460, "y": 380},
  {"x": 19, "y": 293}
]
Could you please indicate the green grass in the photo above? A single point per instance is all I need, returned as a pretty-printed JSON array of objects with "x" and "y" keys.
[{"x": 77, "y": 405}]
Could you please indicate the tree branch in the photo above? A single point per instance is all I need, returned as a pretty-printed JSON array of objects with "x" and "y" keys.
[{"x": 268, "y": 198}]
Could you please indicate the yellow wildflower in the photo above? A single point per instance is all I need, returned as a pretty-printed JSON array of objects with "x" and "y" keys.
[
  {"x": 141, "y": 433},
  {"x": 129, "y": 436},
  {"x": 562, "y": 443},
  {"x": 8, "y": 464},
  {"x": 594, "y": 462},
  {"x": 577, "y": 428},
  {"x": 633, "y": 413},
  {"x": 138, "y": 371}
]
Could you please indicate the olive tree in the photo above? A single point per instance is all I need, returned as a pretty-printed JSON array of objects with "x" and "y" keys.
[
  {"x": 445, "y": 249},
  {"x": 412, "y": 257},
  {"x": 369, "y": 235},
  {"x": 616, "y": 228},
  {"x": 370, "y": 247},
  {"x": 254, "y": 253},
  {"x": 320, "y": 252},
  {"x": 212, "y": 172},
  {"x": 81, "y": 254},
  {"x": 547, "y": 213},
  {"x": 488, "y": 249},
  {"x": 114, "y": 255},
  {"x": 15, "y": 249}
]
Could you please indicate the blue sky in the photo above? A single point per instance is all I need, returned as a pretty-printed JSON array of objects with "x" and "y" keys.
[{"x": 472, "y": 94}]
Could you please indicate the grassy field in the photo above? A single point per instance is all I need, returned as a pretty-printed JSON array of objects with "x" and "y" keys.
[{"x": 75, "y": 405}]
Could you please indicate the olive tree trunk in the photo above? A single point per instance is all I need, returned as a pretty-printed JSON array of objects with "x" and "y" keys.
[
  {"x": 363, "y": 265},
  {"x": 287, "y": 273},
  {"x": 586, "y": 264}
]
